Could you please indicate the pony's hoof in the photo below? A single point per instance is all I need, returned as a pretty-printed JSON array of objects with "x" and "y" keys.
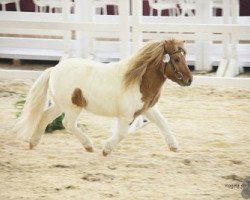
[
  {"x": 31, "y": 146},
  {"x": 174, "y": 149},
  {"x": 173, "y": 146},
  {"x": 89, "y": 149},
  {"x": 105, "y": 153}
]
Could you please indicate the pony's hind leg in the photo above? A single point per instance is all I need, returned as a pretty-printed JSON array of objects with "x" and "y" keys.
[
  {"x": 70, "y": 124},
  {"x": 47, "y": 117}
]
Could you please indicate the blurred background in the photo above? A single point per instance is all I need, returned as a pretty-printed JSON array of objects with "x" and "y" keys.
[{"x": 38, "y": 33}]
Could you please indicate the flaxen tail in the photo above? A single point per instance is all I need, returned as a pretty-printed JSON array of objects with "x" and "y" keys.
[{"x": 34, "y": 106}]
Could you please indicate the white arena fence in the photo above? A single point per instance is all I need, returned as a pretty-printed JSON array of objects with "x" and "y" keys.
[
  {"x": 211, "y": 40},
  {"x": 198, "y": 80}
]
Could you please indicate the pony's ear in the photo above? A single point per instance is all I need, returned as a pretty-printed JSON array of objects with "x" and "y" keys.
[{"x": 168, "y": 45}]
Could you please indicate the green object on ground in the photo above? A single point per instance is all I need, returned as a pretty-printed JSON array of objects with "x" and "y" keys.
[{"x": 55, "y": 125}]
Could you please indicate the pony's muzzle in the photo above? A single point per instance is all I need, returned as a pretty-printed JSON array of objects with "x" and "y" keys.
[{"x": 188, "y": 81}]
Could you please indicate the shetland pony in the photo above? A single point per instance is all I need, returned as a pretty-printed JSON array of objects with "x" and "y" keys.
[{"x": 124, "y": 90}]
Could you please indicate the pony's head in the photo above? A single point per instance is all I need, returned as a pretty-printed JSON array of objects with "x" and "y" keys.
[
  {"x": 166, "y": 57},
  {"x": 175, "y": 66}
]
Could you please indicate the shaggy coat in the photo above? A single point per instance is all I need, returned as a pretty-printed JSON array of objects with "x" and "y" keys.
[{"x": 123, "y": 90}]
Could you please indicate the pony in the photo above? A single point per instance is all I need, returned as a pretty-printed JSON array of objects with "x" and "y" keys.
[{"x": 125, "y": 90}]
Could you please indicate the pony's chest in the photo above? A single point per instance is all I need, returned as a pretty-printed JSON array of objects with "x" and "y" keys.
[{"x": 130, "y": 102}]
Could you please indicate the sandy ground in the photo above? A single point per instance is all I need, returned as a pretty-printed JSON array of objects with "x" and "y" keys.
[{"x": 212, "y": 126}]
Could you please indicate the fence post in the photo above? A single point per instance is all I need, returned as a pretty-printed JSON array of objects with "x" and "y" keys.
[
  {"x": 136, "y": 20},
  {"x": 235, "y": 9},
  {"x": 207, "y": 41},
  {"x": 67, "y": 34},
  {"x": 83, "y": 11},
  {"x": 233, "y": 66},
  {"x": 223, "y": 64},
  {"x": 124, "y": 12},
  {"x": 234, "y": 40},
  {"x": 226, "y": 11},
  {"x": 199, "y": 50}
]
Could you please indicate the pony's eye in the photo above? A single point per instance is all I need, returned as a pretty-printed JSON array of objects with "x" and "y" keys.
[{"x": 177, "y": 59}]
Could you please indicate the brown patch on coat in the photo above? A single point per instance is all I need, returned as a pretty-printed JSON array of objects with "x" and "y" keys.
[{"x": 78, "y": 99}]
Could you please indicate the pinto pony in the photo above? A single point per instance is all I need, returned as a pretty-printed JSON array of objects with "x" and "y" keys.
[{"x": 124, "y": 90}]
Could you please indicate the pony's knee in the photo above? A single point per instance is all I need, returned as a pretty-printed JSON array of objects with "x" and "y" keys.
[{"x": 68, "y": 126}]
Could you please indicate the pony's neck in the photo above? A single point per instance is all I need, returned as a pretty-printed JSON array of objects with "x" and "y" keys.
[
  {"x": 150, "y": 88},
  {"x": 151, "y": 84}
]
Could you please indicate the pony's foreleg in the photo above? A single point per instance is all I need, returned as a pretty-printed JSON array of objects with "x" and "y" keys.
[
  {"x": 119, "y": 134},
  {"x": 138, "y": 123},
  {"x": 47, "y": 117},
  {"x": 155, "y": 116},
  {"x": 70, "y": 124}
]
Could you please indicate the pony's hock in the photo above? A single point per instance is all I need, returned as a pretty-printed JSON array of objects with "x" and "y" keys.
[{"x": 129, "y": 89}]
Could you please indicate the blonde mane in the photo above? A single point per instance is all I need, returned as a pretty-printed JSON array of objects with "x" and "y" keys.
[{"x": 151, "y": 54}]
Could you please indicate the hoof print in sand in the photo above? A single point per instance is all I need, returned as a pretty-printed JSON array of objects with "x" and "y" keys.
[{"x": 98, "y": 177}]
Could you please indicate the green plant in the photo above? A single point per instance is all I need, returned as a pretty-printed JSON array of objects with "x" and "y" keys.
[
  {"x": 55, "y": 125},
  {"x": 19, "y": 106}
]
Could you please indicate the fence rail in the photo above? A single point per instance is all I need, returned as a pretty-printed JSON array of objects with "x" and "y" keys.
[{"x": 198, "y": 80}]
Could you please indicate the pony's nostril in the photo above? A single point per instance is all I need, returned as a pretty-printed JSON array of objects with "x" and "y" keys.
[{"x": 189, "y": 81}]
